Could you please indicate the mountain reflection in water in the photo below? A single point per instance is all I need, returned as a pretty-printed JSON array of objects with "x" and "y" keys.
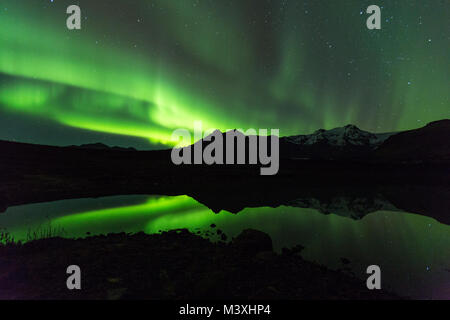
[{"x": 411, "y": 249}]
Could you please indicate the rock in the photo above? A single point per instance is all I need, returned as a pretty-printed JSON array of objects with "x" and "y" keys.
[
  {"x": 265, "y": 256},
  {"x": 253, "y": 241}
]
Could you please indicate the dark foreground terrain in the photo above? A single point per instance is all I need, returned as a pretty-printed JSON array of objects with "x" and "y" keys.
[{"x": 171, "y": 265}]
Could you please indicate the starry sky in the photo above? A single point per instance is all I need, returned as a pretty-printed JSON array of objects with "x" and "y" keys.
[{"x": 139, "y": 69}]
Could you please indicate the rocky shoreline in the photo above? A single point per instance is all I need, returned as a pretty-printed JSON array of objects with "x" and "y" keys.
[{"x": 173, "y": 265}]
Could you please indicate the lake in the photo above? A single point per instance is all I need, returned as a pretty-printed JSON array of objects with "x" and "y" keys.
[{"x": 412, "y": 250}]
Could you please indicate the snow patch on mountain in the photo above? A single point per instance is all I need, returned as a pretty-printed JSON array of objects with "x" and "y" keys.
[
  {"x": 348, "y": 135},
  {"x": 351, "y": 207}
]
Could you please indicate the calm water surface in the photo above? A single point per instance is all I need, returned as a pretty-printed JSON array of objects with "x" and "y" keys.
[{"x": 413, "y": 251}]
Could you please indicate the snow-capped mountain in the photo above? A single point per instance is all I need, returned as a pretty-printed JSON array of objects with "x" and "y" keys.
[
  {"x": 331, "y": 144},
  {"x": 343, "y": 136}
]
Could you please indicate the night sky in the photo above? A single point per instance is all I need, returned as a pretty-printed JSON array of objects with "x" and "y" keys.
[{"x": 137, "y": 70}]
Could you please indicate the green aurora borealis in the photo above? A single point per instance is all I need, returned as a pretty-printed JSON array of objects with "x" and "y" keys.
[{"x": 140, "y": 69}]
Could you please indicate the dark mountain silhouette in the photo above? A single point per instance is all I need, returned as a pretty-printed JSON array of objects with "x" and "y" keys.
[
  {"x": 102, "y": 146},
  {"x": 350, "y": 143},
  {"x": 359, "y": 160},
  {"x": 430, "y": 143}
]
